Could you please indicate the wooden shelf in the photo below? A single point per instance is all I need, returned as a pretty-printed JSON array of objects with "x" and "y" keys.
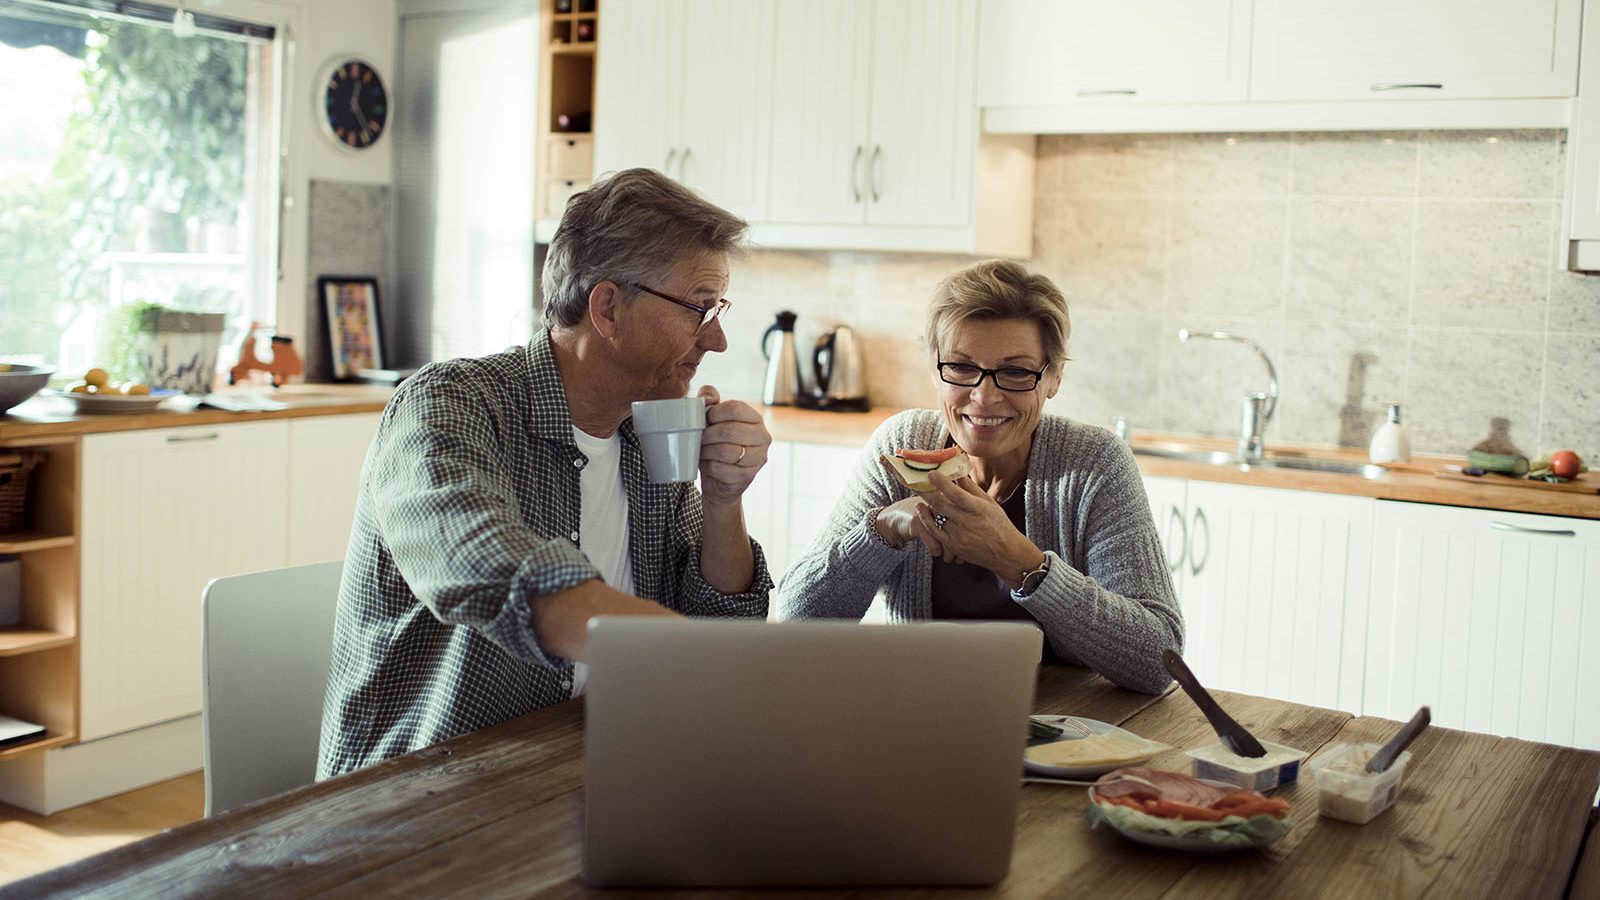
[
  {"x": 584, "y": 49},
  {"x": 49, "y": 740},
  {"x": 25, "y": 541},
  {"x": 19, "y": 639}
]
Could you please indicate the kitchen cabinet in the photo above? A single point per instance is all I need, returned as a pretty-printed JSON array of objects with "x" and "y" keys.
[
  {"x": 1491, "y": 618},
  {"x": 1261, "y": 571},
  {"x": 325, "y": 457},
  {"x": 1582, "y": 209},
  {"x": 1066, "y": 53},
  {"x": 171, "y": 509},
  {"x": 875, "y": 141},
  {"x": 685, "y": 87},
  {"x": 1309, "y": 65},
  {"x": 1379, "y": 51},
  {"x": 39, "y": 655}
]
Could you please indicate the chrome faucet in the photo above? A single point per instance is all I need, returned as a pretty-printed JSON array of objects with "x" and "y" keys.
[{"x": 1257, "y": 408}]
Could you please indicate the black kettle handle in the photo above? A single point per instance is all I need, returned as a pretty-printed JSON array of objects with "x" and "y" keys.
[
  {"x": 766, "y": 353},
  {"x": 824, "y": 346}
]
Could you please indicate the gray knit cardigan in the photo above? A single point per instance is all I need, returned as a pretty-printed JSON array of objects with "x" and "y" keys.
[{"x": 1107, "y": 601}]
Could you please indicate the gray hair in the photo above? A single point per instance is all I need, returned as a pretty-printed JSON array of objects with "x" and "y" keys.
[
  {"x": 1000, "y": 289},
  {"x": 634, "y": 225}
]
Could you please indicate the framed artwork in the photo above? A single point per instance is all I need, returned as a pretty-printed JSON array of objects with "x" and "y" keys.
[{"x": 350, "y": 308}]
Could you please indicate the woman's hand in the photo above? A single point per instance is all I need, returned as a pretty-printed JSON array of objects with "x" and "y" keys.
[
  {"x": 976, "y": 529},
  {"x": 910, "y": 520}
]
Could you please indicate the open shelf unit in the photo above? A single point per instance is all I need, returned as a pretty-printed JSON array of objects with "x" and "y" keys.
[
  {"x": 39, "y": 655},
  {"x": 566, "y": 102}
]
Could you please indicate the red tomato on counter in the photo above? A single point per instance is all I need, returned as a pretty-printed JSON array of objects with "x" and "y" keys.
[{"x": 1565, "y": 464}]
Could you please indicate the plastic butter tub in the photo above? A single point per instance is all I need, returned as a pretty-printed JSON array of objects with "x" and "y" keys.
[
  {"x": 1347, "y": 791},
  {"x": 1281, "y": 766}
]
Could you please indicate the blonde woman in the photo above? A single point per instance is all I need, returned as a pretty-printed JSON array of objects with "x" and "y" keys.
[{"x": 1052, "y": 526}]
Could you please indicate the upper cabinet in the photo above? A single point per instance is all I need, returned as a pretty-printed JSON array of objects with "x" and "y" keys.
[
  {"x": 1070, "y": 52},
  {"x": 1276, "y": 65},
  {"x": 874, "y": 120},
  {"x": 1421, "y": 49},
  {"x": 685, "y": 87}
]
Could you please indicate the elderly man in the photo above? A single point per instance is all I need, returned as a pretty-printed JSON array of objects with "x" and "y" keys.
[{"x": 504, "y": 501}]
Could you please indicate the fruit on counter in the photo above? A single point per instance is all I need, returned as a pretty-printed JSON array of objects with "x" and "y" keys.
[
  {"x": 1503, "y": 463},
  {"x": 134, "y": 389},
  {"x": 97, "y": 377},
  {"x": 1565, "y": 464},
  {"x": 98, "y": 381}
]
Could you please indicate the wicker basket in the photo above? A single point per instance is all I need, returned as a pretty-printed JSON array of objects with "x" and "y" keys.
[{"x": 14, "y": 469}]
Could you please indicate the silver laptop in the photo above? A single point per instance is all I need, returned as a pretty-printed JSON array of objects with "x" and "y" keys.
[{"x": 739, "y": 753}]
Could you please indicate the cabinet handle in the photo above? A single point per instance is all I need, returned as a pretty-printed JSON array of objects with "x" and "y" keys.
[
  {"x": 192, "y": 438},
  {"x": 877, "y": 154},
  {"x": 1196, "y": 563},
  {"x": 683, "y": 166},
  {"x": 1173, "y": 565},
  {"x": 855, "y": 173},
  {"x": 1107, "y": 92},
  {"x": 1406, "y": 86},
  {"x": 1520, "y": 529},
  {"x": 672, "y": 154}
]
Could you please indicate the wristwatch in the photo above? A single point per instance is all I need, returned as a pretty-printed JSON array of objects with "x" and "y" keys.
[{"x": 1033, "y": 579}]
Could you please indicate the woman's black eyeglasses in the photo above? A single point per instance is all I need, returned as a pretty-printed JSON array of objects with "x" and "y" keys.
[
  {"x": 1006, "y": 378},
  {"x": 708, "y": 314}
]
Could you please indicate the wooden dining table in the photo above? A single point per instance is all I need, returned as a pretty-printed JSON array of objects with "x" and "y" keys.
[{"x": 497, "y": 813}]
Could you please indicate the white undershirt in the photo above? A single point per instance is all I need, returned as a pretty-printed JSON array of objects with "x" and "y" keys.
[{"x": 603, "y": 520}]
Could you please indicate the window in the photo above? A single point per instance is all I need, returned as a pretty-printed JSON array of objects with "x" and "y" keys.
[{"x": 136, "y": 166}]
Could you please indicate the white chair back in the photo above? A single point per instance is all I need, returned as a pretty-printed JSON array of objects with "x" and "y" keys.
[{"x": 266, "y": 641}]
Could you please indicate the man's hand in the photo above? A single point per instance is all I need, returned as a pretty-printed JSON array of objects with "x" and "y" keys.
[{"x": 732, "y": 450}]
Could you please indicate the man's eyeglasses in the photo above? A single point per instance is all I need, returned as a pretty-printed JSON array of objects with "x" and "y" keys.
[
  {"x": 708, "y": 314},
  {"x": 1006, "y": 378}
]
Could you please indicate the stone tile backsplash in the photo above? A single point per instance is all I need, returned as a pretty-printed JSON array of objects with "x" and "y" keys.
[{"x": 1418, "y": 268}]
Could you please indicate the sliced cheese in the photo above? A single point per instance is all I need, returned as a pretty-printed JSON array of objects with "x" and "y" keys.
[{"x": 1106, "y": 749}]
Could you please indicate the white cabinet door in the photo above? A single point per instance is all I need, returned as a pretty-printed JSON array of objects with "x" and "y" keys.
[
  {"x": 726, "y": 129},
  {"x": 923, "y": 128},
  {"x": 766, "y": 505},
  {"x": 1071, "y": 52},
  {"x": 1275, "y": 583},
  {"x": 819, "y": 116},
  {"x": 325, "y": 457},
  {"x": 1490, "y": 618},
  {"x": 164, "y": 512},
  {"x": 1376, "y": 50},
  {"x": 639, "y": 86}
]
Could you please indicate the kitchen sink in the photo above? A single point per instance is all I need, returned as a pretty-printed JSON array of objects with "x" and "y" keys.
[{"x": 1224, "y": 458}]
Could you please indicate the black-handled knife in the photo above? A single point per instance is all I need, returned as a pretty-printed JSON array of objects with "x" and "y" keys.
[
  {"x": 1386, "y": 755},
  {"x": 1240, "y": 741}
]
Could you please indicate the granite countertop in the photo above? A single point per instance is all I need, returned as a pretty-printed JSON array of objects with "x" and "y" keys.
[{"x": 1415, "y": 481}]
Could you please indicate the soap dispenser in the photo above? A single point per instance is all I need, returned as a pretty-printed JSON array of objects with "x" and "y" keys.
[{"x": 1390, "y": 443}]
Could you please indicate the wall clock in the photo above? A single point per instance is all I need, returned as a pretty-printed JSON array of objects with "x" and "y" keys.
[{"x": 355, "y": 104}]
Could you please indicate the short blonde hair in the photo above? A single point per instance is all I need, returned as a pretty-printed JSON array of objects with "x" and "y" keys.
[{"x": 1000, "y": 289}]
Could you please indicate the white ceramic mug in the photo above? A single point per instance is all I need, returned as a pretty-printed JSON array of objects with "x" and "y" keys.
[{"x": 669, "y": 434}]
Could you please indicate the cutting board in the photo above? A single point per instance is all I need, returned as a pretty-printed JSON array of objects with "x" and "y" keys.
[{"x": 1586, "y": 483}]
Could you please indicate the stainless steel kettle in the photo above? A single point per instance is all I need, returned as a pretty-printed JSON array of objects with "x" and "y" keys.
[
  {"x": 784, "y": 385},
  {"x": 841, "y": 374}
]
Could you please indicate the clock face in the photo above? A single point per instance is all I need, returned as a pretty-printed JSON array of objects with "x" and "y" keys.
[{"x": 355, "y": 105}]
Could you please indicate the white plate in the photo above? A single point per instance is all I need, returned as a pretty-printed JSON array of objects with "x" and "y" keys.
[
  {"x": 1192, "y": 843},
  {"x": 113, "y": 404},
  {"x": 1070, "y": 734}
]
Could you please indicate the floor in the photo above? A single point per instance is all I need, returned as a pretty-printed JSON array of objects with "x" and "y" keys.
[{"x": 30, "y": 844}]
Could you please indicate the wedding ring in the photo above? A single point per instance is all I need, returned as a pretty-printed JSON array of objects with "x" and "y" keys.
[
  {"x": 742, "y": 450},
  {"x": 939, "y": 520}
]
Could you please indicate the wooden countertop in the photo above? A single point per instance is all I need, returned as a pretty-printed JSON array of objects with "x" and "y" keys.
[
  {"x": 52, "y": 416},
  {"x": 1414, "y": 481},
  {"x": 498, "y": 812}
]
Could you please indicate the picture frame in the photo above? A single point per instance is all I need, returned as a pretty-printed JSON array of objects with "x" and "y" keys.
[{"x": 354, "y": 330}]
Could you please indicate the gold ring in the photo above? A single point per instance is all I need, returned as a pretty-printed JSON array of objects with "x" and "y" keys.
[{"x": 742, "y": 450}]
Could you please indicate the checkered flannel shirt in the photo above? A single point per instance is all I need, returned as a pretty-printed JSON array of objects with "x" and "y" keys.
[{"x": 468, "y": 513}]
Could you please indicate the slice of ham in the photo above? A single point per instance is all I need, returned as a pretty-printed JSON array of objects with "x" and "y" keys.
[{"x": 1139, "y": 781}]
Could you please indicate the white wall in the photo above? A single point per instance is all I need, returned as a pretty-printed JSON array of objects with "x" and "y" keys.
[{"x": 318, "y": 32}]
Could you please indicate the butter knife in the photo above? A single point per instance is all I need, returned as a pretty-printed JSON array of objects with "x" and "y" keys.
[
  {"x": 1240, "y": 741},
  {"x": 1388, "y": 753}
]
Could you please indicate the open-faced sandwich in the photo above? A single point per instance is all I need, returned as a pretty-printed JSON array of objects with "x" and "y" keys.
[
  {"x": 1153, "y": 802},
  {"x": 913, "y": 467}
]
